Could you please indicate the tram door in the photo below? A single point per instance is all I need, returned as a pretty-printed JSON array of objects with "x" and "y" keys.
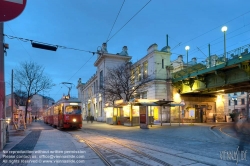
[{"x": 60, "y": 115}]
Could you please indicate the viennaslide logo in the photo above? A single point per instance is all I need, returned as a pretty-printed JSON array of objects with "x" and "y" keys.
[{"x": 234, "y": 155}]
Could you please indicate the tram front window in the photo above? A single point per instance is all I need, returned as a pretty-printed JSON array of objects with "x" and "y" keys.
[{"x": 73, "y": 109}]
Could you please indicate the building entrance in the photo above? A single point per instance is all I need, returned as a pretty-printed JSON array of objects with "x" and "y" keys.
[{"x": 200, "y": 112}]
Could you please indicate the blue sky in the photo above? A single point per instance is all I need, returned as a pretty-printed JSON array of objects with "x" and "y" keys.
[{"x": 85, "y": 25}]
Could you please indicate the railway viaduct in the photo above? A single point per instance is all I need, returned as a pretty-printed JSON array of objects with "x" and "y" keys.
[{"x": 202, "y": 86}]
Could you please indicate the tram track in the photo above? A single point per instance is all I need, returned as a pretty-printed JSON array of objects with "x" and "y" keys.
[
  {"x": 101, "y": 151},
  {"x": 194, "y": 139},
  {"x": 134, "y": 148},
  {"x": 153, "y": 150}
]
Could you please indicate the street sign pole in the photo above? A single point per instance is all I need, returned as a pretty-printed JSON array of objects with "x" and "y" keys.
[
  {"x": 2, "y": 86},
  {"x": 2, "y": 82},
  {"x": 10, "y": 9}
]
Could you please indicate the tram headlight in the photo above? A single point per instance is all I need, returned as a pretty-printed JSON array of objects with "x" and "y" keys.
[{"x": 74, "y": 120}]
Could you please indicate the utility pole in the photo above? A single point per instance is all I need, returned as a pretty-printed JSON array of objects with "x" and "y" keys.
[{"x": 2, "y": 84}]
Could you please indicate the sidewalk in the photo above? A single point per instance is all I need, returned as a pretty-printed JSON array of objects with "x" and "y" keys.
[{"x": 42, "y": 144}]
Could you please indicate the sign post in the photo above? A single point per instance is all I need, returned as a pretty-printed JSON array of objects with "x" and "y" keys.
[
  {"x": 182, "y": 103},
  {"x": 9, "y": 9},
  {"x": 2, "y": 87}
]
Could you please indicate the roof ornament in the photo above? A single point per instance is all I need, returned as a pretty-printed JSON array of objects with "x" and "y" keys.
[{"x": 124, "y": 51}]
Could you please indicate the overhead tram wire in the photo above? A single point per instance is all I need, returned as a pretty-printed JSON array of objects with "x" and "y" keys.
[
  {"x": 215, "y": 28},
  {"x": 75, "y": 73},
  {"x": 19, "y": 41},
  {"x": 219, "y": 38},
  {"x": 63, "y": 47},
  {"x": 115, "y": 20},
  {"x": 218, "y": 26},
  {"x": 58, "y": 46},
  {"x": 194, "y": 51},
  {"x": 80, "y": 68},
  {"x": 128, "y": 21}
]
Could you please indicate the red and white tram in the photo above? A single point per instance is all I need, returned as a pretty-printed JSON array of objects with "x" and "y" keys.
[{"x": 66, "y": 113}]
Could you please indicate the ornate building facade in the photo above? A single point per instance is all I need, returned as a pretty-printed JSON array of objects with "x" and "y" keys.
[{"x": 152, "y": 67}]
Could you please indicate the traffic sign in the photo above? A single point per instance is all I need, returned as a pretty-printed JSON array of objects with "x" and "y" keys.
[{"x": 10, "y": 9}]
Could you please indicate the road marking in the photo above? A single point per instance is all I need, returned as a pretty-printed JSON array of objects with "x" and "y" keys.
[{"x": 15, "y": 1}]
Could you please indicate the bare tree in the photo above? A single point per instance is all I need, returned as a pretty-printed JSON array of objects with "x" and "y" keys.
[
  {"x": 120, "y": 83},
  {"x": 20, "y": 97},
  {"x": 31, "y": 77}
]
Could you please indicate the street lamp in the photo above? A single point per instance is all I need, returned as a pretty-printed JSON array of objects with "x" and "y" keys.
[
  {"x": 187, "y": 48},
  {"x": 224, "y": 29}
]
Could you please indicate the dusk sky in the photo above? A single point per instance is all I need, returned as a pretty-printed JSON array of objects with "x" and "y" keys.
[{"x": 85, "y": 24}]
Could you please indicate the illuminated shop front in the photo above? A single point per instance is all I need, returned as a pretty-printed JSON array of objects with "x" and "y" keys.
[{"x": 132, "y": 113}]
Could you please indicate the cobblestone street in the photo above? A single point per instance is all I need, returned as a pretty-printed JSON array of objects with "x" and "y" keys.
[{"x": 198, "y": 144}]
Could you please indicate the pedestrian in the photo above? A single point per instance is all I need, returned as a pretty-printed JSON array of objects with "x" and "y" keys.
[
  {"x": 91, "y": 119},
  {"x": 239, "y": 126},
  {"x": 35, "y": 118},
  {"x": 32, "y": 118}
]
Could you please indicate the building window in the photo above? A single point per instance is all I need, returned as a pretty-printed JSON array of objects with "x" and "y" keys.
[
  {"x": 235, "y": 93},
  {"x": 132, "y": 76},
  {"x": 242, "y": 93},
  {"x": 101, "y": 79},
  {"x": 94, "y": 88},
  {"x": 162, "y": 63},
  {"x": 145, "y": 69},
  {"x": 137, "y": 96},
  {"x": 235, "y": 102},
  {"x": 96, "y": 85},
  {"x": 229, "y": 102},
  {"x": 138, "y": 73},
  {"x": 144, "y": 95},
  {"x": 242, "y": 101}
]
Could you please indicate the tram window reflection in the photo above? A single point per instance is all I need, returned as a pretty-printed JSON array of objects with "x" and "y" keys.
[{"x": 73, "y": 109}]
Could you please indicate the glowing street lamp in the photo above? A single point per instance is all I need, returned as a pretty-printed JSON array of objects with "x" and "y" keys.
[
  {"x": 224, "y": 29},
  {"x": 187, "y": 48}
]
